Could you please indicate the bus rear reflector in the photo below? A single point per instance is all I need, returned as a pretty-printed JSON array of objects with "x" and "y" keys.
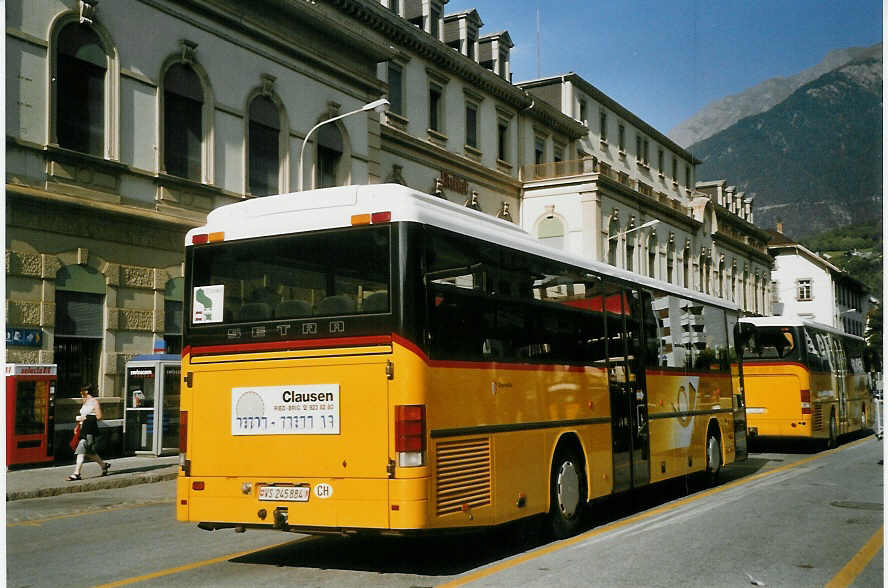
[
  {"x": 200, "y": 239},
  {"x": 360, "y": 219},
  {"x": 216, "y": 237},
  {"x": 806, "y": 401},
  {"x": 381, "y": 217},
  {"x": 410, "y": 434}
]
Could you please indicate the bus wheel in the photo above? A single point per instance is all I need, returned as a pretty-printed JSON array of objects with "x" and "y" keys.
[
  {"x": 832, "y": 441},
  {"x": 713, "y": 457},
  {"x": 568, "y": 494}
]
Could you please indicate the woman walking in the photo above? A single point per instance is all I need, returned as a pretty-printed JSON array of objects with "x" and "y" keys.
[{"x": 88, "y": 421}]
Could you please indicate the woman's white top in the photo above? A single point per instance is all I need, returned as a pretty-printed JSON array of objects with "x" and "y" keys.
[{"x": 89, "y": 407}]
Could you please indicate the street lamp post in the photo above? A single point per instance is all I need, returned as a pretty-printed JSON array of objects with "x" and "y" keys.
[
  {"x": 650, "y": 223},
  {"x": 377, "y": 105}
]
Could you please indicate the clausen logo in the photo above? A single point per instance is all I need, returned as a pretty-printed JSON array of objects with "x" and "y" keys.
[{"x": 291, "y": 396}]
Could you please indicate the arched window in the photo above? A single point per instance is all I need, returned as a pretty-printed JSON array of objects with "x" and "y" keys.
[
  {"x": 182, "y": 122},
  {"x": 721, "y": 277},
  {"x": 264, "y": 147},
  {"x": 734, "y": 281},
  {"x": 670, "y": 260},
  {"x": 652, "y": 255},
  {"x": 686, "y": 266},
  {"x": 80, "y": 90},
  {"x": 551, "y": 231},
  {"x": 613, "y": 238},
  {"x": 79, "y": 327},
  {"x": 329, "y": 155},
  {"x": 630, "y": 246}
]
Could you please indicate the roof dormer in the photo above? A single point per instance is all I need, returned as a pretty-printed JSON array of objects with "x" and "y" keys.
[
  {"x": 461, "y": 32},
  {"x": 423, "y": 14},
  {"x": 493, "y": 53}
]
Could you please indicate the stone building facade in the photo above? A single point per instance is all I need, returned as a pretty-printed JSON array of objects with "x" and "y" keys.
[{"x": 128, "y": 121}]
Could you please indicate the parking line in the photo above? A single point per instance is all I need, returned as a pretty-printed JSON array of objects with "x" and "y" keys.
[
  {"x": 195, "y": 565},
  {"x": 852, "y": 569},
  {"x": 38, "y": 522},
  {"x": 483, "y": 573}
]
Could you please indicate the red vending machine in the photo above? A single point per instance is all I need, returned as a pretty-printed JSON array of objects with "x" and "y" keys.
[{"x": 30, "y": 412}]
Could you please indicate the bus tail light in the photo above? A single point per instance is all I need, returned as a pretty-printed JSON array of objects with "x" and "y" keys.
[
  {"x": 410, "y": 434},
  {"x": 375, "y": 218},
  {"x": 806, "y": 401}
]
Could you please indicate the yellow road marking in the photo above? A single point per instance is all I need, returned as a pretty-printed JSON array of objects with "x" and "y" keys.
[
  {"x": 639, "y": 517},
  {"x": 38, "y": 522},
  {"x": 195, "y": 565},
  {"x": 860, "y": 560}
]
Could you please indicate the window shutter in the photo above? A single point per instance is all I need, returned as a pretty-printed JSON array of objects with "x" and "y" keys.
[{"x": 79, "y": 314}]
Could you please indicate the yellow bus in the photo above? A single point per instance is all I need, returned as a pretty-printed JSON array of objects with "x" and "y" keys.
[
  {"x": 803, "y": 379},
  {"x": 373, "y": 359}
]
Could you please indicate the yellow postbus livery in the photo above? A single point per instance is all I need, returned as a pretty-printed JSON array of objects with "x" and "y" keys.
[
  {"x": 803, "y": 379},
  {"x": 373, "y": 359}
]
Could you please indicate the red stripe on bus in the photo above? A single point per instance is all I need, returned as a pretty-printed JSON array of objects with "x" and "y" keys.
[
  {"x": 765, "y": 362},
  {"x": 292, "y": 345}
]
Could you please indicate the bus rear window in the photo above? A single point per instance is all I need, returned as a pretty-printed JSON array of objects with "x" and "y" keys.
[
  {"x": 334, "y": 273},
  {"x": 772, "y": 343}
]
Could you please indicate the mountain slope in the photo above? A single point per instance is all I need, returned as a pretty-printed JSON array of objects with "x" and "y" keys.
[
  {"x": 814, "y": 160},
  {"x": 723, "y": 113}
]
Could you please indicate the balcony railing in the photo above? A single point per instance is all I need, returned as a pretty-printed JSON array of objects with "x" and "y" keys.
[{"x": 591, "y": 165}]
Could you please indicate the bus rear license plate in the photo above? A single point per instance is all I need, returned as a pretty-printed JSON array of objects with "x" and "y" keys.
[
  {"x": 755, "y": 410},
  {"x": 285, "y": 493}
]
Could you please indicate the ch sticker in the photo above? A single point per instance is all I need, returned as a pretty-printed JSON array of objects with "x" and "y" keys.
[{"x": 323, "y": 490}]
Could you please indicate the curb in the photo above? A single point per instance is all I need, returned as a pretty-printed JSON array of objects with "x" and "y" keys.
[{"x": 89, "y": 485}]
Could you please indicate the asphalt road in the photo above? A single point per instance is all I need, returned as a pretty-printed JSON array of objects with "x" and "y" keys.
[{"x": 790, "y": 517}]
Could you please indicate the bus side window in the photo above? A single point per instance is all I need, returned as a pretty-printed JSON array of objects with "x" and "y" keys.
[{"x": 814, "y": 361}]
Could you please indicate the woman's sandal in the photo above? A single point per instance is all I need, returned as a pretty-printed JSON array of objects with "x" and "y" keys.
[
  {"x": 105, "y": 468},
  {"x": 73, "y": 477}
]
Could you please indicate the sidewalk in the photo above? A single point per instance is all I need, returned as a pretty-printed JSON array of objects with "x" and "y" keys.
[{"x": 126, "y": 471}]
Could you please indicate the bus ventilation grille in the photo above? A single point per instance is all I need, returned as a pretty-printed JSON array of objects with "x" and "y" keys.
[
  {"x": 817, "y": 420},
  {"x": 463, "y": 474}
]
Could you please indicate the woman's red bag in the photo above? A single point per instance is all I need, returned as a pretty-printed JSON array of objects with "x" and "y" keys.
[{"x": 76, "y": 438}]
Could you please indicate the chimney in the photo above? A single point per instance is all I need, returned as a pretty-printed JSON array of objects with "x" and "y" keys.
[{"x": 780, "y": 227}]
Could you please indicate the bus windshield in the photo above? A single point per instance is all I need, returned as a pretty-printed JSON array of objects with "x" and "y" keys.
[
  {"x": 772, "y": 343},
  {"x": 331, "y": 273}
]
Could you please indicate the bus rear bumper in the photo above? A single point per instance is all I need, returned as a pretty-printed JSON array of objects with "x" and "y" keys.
[{"x": 331, "y": 505}]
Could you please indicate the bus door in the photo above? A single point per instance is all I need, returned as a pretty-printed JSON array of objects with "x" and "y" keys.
[
  {"x": 627, "y": 392},
  {"x": 638, "y": 302},
  {"x": 838, "y": 374}
]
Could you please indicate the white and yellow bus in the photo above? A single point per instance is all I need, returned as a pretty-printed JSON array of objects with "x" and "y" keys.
[
  {"x": 803, "y": 380},
  {"x": 373, "y": 359}
]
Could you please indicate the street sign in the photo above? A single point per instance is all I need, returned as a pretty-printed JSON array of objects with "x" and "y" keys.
[{"x": 24, "y": 337}]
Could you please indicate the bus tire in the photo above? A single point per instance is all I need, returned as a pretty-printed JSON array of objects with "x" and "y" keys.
[
  {"x": 713, "y": 456},
  {"x": 567, "y": 494},
  {"x": 833, "y": 440}
]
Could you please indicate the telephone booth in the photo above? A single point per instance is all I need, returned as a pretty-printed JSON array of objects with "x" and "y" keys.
[
  {"x": 151, "y": 403},
  {"x": 30, "y": 412}
]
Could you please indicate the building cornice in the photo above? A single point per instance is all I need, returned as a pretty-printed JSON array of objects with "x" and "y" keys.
[{"x": 727, "y": 241}]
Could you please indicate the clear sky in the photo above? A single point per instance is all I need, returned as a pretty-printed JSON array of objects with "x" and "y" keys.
[{"x": 665, "y": 60}]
